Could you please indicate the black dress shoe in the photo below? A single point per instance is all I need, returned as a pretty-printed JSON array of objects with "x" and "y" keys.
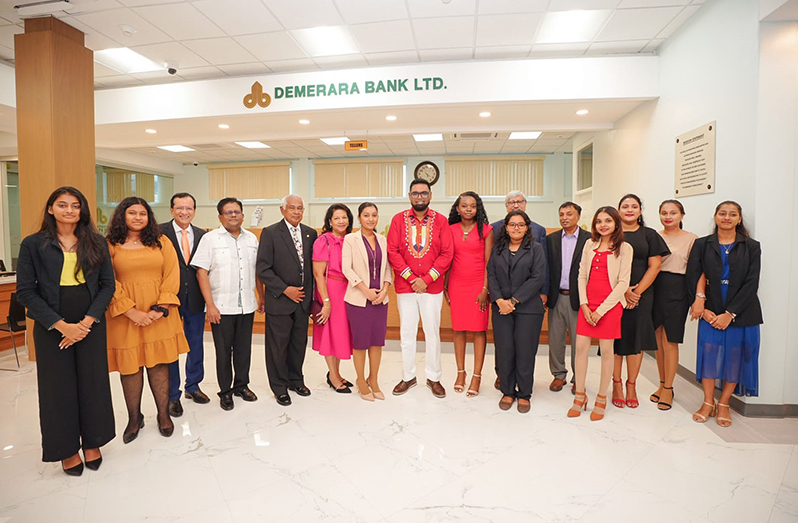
[
  {"x": 77, "y": 470},
  {"x": 301, "y": 390},
  {"x": 94, "y": 464},
  {"x": 283, "y": 399},
  {"x": 246, "y": 394},
  {"x": 226, "y": 402},
  {"x": 127, "y": 437},
  {"x": 198, "y": 396},
  {"x": 344, "y": 389},
  {"x": 175, "y": 408}
]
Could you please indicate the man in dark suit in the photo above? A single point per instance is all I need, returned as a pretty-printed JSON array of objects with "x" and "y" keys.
[
  {"x": 185, "y": 237},
  {"x": 285, "y": 266},
  {"x": 565, "y": 252},
  {"x": 516, "y": 201}
]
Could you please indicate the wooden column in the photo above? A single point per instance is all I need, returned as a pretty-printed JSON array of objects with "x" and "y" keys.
[{"x": 55, "y": 117}]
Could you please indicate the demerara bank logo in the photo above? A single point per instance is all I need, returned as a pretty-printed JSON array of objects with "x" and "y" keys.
[{"x": 257, "y": 97}]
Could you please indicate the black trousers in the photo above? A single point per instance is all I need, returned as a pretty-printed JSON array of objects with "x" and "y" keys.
[
  {"x": 516, "y": 338},
  {"x": 75, "y": 408},
  {"x": 286, "y": 342},
  {"x": 232, "y": 338}
]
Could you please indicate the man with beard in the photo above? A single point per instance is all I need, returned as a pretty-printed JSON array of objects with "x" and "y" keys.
[{"x": 420, "y": 252}]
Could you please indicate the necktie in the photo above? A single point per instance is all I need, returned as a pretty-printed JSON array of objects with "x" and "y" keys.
[
  {"x": 299, "y": 250},
  {"x": 184, "y": 245}
]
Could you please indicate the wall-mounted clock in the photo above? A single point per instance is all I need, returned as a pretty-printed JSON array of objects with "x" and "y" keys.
[{"x": 427, "y": 171}]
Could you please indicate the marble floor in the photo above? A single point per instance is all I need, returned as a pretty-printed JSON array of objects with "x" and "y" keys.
[{"x": 333, "y": 457}]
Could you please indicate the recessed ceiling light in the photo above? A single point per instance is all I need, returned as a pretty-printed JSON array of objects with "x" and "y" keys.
[
  {"x": 175, "y": 148},
  {"x": 484, "y": 114},
  {"x": 526, "y": 135},
  {"x": 390, "y": 118},
  {"x": 335, "y": 141},
  {"x": 304, "y": 122},
  {"x": 434, "y": 137},
  {"x": 125, "y": 61},
  {"x": 223, "y": 126},
  {"x": 581, "y": 112},
  {"x": 561, "y": 27},
  {"x": 326, "y": 41},
  {"x": 150, "y": 131},
  {"x": 254, "y": 145}
]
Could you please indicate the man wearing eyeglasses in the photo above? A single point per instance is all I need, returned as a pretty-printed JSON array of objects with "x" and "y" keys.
[
  {"x": 420, "y": 252},
  {"x": 516, "y": 201},
  {"x": 225, "y": 262},
  {"x": 185, "y": 238}
]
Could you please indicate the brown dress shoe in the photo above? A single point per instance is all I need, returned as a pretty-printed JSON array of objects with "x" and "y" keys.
[
  {"x": 523, "y": 406},
  {"x": 497, "y": 384},
  {"x": 557, "y": 385},
  {"x": 404, "y": 386},
  {"x": 437, "y": 389},
  {"x": 506, "y": 402}
]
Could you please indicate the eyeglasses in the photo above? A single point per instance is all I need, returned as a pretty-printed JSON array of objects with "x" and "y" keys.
[
  {"x": 424, "y": 194},
  {"x": 232, "y": 213},
  {"x": 515, "y": 202},
  {"x": 516, "y": 226}
]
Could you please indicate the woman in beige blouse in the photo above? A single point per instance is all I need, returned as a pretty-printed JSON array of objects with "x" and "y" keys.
[{"x": 671, "y": 303}]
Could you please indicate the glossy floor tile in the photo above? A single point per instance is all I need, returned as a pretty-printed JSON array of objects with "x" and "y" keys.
[{"x": 335, "y": 457}]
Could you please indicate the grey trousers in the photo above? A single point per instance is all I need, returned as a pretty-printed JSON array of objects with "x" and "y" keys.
[{"x": 562, "y": 318}]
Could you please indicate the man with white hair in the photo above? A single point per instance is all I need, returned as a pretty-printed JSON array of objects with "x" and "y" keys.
[
  {"x": 516, "y": 201},
  {"x": 285, "y": 266}
]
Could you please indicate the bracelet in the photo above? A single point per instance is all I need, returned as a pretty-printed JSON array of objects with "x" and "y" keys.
[
  {"x": 733, "y": 316},
  {"x": 326, "y": 299},
  {"x": 485, "y": 289},
  {"x": 701, "y": 295},
  {"x": 162, "y": 310}
]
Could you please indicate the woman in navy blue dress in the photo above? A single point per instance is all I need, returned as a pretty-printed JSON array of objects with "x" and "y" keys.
[{"x": 728, "y": 333}]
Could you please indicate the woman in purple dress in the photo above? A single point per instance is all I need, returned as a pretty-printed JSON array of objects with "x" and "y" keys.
[
  {"x": 331, "y": 337},
  {"x": 365, "y": 265}
]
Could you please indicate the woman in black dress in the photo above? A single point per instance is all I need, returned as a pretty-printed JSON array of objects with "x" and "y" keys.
[
  {"x": 66, "y": 280},
  {"x": 637, "y": 324}
]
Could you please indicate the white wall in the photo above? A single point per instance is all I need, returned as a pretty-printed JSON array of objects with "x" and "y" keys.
[
  {"x": 557, "y": 188},
  {"x": 714, "y": 69}
]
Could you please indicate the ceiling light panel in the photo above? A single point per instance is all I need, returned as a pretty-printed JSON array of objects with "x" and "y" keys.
[
  {"x": 571, "y": 26},
  {"x": 326, "y": 41},
  {"x": 335, "y": 141},
  {"x": 175, "y": 148},
  {"x": 526, "y": 135},
  {"x": 254, "y": 145},
  {"x": 433, "y": 137},
  {"x": 126, "y": 61}
]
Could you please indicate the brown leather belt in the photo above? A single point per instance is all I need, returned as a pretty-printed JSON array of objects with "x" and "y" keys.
[{"x": 564, "y": 291}]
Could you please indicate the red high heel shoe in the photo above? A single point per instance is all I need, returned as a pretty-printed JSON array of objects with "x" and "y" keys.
[
  {"x": 617, "y": 401},
  {"x": 631, "y": 403}
]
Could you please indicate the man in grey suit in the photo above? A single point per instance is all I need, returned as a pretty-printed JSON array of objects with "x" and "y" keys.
[
  {"x": 565, "y": 252},
  {"x": 516, "y": 201},
  {"x": 285, "y": 266}
]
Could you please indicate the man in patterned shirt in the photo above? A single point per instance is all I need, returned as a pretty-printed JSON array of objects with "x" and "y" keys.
[{"x": 420, "y": 251}]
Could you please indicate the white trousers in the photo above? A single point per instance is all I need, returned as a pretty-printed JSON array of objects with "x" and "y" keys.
[{"x": 428, "y": 306}]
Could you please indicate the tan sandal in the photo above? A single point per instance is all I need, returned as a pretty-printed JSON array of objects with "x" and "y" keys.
[
  {"x": 700, "y": 418},
  {"x": 459, "y": 388},
  {"x": 722, "y": 421},
  {"x": 473, "y": 393}
]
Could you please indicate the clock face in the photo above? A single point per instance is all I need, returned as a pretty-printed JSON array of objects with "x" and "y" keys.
[{"x": 427, "y": 171}]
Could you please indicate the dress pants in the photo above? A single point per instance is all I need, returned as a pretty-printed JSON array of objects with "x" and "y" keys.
[
  {"x": 516, "y": 339},
  {"x": 561, "y": 318},
  {"x": 286, "y": 342},
  {"x": 75, "y": 408},
  {"x": 232, "y": 337},
  {"x": 194, "y": 329},
  {"x": 428, "y": 307}
]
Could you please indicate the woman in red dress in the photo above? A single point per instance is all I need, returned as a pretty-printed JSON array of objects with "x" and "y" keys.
[
  {"x": 466, "y": 288},
  {"x": 604, "y": 274}
]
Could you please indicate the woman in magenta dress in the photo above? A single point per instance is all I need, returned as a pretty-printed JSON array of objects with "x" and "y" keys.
[
  {"x": 604, "y": 273},
  {"x": 331, "y": 336},
  {"x": 466, "y": 288}
]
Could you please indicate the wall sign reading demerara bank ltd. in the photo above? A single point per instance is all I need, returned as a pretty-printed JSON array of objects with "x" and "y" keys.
[{"x": 259, "y": 97}]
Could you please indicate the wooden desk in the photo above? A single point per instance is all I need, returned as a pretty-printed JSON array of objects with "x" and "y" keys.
[{"x": 8, "y": 285}]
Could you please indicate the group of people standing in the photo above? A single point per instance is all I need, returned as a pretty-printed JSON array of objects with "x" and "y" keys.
[{"x": 140, "y": 297}]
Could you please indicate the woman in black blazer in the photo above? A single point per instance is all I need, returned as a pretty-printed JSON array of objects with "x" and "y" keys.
[
  {"x": 516, "y": 272},
  {"x": 727, "y": 303},
  {"x": 66, "y": 280}
]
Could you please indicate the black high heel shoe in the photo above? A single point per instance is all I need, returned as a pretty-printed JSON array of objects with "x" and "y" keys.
[
  {"x": 93, "y": 464},
  {"x": 127, "y": 437},
  {"x": 77, "y": 470},
  {"x": 166, "y": 432},
  {"x": 344, "y": 387}
]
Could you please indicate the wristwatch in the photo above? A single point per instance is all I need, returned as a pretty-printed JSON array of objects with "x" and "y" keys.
[
  {"x": 733, "y": 316},
  {"x": 701, "y": 295},
  {"x": 514, "y": 301}
]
